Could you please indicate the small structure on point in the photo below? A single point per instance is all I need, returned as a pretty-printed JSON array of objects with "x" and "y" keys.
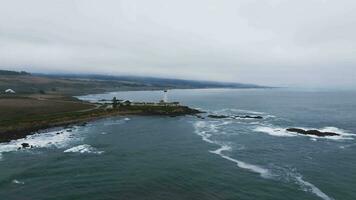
[
  {"x": 165, "y": 97},
  {"x": 10, "y": 91}
]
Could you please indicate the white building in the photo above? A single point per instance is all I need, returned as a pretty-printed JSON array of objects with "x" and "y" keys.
[
  {"x": 165, "y": 97},
  {"x": 10, "y": 91}
]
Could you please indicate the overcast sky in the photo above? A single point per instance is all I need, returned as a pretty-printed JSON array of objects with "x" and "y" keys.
[{"x": 307, "y": 43}]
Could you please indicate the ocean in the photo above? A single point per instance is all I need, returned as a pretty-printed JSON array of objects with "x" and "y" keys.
[{"x": 157, "y": 157}]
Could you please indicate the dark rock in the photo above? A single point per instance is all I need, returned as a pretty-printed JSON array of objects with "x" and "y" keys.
[
  {"x": 83, "y": 124},
  {"x": 248, "y": 117},
  {"x": 58, "y": 133},
  {"x": 236, "y": 116},
  {"x": 311, "y": 132},
  {"x": 200, "y": 117},
  {"x": 69, "y": 130},
  {"x": 25, "y": 145},
  {"x": 218, "y": 116}
]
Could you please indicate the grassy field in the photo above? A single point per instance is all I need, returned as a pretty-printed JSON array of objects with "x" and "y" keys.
[
  {"x": 17, "y": 107},
  {"x": 20, "y": 114}
]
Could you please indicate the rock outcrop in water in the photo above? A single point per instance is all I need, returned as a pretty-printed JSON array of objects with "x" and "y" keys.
[
  {"x": 312, "y": 132},
  {"x": 25, "y": 145},
  {"x": 218, "y": 116},
  {"x": 235, "y": 117},
  {"x": 248, "y": 117}
]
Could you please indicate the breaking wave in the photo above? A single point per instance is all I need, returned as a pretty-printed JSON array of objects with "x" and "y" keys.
[
  {"x": 18, "y": 182},
  {"x": 84, "y": 148},
  {"x": 243, "y": 165},
  {"x": 210, "y": 129},
  {"x": 58, "y": 139},
  {"x": 240, "y": 111},
  {"x": 312, "y": 188},
  {"x": 204, "y": 130}
]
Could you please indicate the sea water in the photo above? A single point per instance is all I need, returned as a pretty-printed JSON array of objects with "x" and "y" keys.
[{"x": 157, "y": 157}]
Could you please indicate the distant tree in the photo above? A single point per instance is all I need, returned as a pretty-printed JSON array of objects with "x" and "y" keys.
[{"x": 114, "y": 102}]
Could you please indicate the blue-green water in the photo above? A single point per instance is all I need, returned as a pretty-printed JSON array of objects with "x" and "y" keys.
[{"x": 137, "y": 157}]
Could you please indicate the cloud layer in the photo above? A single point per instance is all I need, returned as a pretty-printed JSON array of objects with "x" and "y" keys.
[{"x": 273, "y": 42}]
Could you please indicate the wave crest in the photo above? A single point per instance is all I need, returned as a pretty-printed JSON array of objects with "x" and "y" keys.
[{"x": 84, "y": 148}]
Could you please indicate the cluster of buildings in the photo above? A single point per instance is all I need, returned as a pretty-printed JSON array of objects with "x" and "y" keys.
[{"x": 163, "y": 102}]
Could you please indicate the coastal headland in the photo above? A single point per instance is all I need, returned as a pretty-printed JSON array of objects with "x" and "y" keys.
[
  {"x": 24, "y": 115},
  {"x": 30, "y": 103}
]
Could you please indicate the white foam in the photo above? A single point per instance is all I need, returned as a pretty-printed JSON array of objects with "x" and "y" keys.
[
  {"x": 202, "y": 126},
  {"x": 242, "y": 111},
  {"x": 18, "y": 182},
  {"x": 340, "y": 131},
  {"x": 221, "y": 149},
  {"x": 280, "y": 132},
  {"x": 312, "y": 188},
  {"x": 84, "y": 148},
  {"x": 116, "y": 121},
  {"x": 243, "y": 165},
  {"x": 41, "y": 140}
]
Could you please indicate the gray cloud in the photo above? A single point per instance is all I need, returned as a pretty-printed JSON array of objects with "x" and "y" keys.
[{"x": 273, "y": 42}]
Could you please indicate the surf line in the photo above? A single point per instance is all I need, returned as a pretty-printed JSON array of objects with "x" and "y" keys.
[
  {"x": 243, "y": 165},
  {"x": 200, "y": 127}
]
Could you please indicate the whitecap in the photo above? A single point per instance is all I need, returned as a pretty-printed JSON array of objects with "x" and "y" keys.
[
  {"x": 201, "y": 127},
  {"x": 84, "y": 148},
  {"x": 58, "y": 139},
  {"x": 243, "y": 165},
  {"x": 280, "y": 132},
  {"x": 241, "y": 111},
  {"x": 18, "y": 182},
  {"x": 221, "y": 149},
  {"x": 312, "y": 188}
]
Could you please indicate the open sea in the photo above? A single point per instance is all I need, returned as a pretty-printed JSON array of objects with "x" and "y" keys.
[{"x": 173, "y": 158}]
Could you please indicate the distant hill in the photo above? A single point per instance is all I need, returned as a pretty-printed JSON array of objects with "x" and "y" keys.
[
  {"x": 77, "y": 84},
  {"x": 7, "y": 72},
  {"x": 153, "y": 81}
]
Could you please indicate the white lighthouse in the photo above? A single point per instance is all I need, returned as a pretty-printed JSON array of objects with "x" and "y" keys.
[{"x": 165, "y": 97}]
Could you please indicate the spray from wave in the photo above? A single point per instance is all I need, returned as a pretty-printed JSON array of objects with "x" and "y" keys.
[
  {"x": 84, "y": 148},
  {"x": 58, "y": 139}
]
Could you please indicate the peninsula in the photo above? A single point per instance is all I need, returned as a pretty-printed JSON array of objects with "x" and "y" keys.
[{"x": 30, "y": 103}]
